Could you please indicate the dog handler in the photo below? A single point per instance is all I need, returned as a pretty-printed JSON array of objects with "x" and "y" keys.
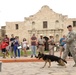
[{"x": 70, "y": 44}]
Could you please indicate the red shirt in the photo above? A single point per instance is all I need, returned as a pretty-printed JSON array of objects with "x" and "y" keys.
[
  {"x": 33, "y": 38},
  {"x": 6, "y": 40},
  {"x": 3, "y": 45},
  {"x": 0, "y": 46}
]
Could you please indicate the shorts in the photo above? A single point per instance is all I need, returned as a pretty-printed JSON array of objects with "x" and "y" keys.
[
  {"x": 24, "y": 46},
  {"x": 62, "y": 48},
  {"x": 7, "y": 48},
  {"x": 4, "y": 50}
]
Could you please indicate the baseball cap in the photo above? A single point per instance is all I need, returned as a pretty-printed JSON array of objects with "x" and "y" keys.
[{"x": 69, "y": 26}]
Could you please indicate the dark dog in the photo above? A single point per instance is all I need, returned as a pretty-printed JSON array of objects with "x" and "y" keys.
[{"x": 51, "y": 58}]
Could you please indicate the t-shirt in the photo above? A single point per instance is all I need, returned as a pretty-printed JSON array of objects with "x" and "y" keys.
[
  {"x": 16, "y": 43},
  {"x": 6, "y": 40},
  {"x": 62, "y": 42},
  {"x": 12, "y": 41},
  {"x": 33, "y": 42},
  {"x": 24, "y": 43},
  {"x": 3, "y": 45}
]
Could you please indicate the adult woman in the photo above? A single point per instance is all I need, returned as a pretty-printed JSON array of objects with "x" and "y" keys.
[
  {"x": 24, "y": 46},
  {"x": 16, "y": 45}
]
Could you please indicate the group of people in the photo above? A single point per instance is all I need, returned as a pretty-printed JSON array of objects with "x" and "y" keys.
[
  {"x": 10, "y": 47},
  {"x": 40, "y": 44}
]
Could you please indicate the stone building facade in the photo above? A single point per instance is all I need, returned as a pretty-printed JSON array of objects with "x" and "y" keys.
[
  {"x": 2, "y": 31},
  {"x": 45, "y": 22}
]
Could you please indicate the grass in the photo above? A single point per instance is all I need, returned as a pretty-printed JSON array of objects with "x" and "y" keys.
[
  {"x": 29, "y": 52},
  {"x": 22, "y": 52}
]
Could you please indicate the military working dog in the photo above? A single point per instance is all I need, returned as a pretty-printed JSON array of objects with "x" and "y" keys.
[{"x": 51, "y": 58}]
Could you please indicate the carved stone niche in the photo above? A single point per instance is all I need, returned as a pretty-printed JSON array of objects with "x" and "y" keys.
[
  {"x": 33, "y": 29},
  {"x": 33, "y": 23},
  {"x": 57, "y": 35},
  {"x": 56, "y": 21}
]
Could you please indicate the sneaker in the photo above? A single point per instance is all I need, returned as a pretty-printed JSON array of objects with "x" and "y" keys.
[
  {"x": 74, "y": 65},
  {"x": 11, "y": 57},
  {"x": 31, "y": 56},
  {"x": 35, "y": 56}
]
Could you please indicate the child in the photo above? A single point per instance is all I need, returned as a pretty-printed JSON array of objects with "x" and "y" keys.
[{"x": 3, "y": 48}]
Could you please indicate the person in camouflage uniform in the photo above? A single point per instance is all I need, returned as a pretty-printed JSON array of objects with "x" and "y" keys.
[{"x": 70, "y": 44}]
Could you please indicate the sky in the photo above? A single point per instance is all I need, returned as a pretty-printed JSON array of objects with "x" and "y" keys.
[{"x": 16, "y": 10}]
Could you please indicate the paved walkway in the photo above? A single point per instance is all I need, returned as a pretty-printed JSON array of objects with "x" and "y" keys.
[{"x": 34, "y": 68}]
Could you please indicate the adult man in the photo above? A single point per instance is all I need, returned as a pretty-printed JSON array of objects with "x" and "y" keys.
[
  {"x": 33, "y": 45},
  {"x": 62, "y": 43},
  {"x": 51, "y": 44},
  {"x": 70, "y": 44},
  {"x": 41, "y": 42},
  {"x": 12, "y": 44},
  {"x": 6, "y": 38}
]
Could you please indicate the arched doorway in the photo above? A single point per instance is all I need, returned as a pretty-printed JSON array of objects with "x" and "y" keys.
[
  {"x": 57, "y": 37},
  {"x": 46, "y": 43}
]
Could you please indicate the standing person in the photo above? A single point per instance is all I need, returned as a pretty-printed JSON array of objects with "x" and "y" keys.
[
  {"x": 51, "y": 45},
  {"x": 41, "y": 42},
  {"x": 62, "y": 43},
  {"x": 6, "y": 38},
  {"x": 12, "y": 44},
  {"x": 16, "y": 45},
  {"x": 33, "y": 45},
  {"x": 24, "y": 46},
  {"x": 70, "y": 44},
  {"x": 3, "y": 48}
]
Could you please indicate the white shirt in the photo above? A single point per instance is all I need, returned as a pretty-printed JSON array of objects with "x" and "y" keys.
[{"x": 24, "y": 43}]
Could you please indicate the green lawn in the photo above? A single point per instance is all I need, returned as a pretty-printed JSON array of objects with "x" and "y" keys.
[
  {"x": 22, "y": 52},
  {"x": 29, "y": 52}
]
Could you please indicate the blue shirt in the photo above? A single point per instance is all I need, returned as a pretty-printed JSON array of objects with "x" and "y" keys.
[
  {"x": 62, "y": 42},
  {"x": 16, "y": 43}
]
